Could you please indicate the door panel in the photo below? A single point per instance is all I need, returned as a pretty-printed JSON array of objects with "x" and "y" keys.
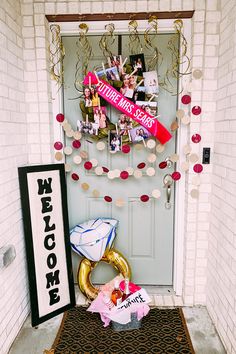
[{"x": 145, "y": 232}]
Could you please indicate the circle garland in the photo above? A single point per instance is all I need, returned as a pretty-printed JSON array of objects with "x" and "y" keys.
[{"x": 151, "y": 144}]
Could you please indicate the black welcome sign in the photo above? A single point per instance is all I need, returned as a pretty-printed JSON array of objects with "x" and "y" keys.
[{"x": 45, "y": 217}]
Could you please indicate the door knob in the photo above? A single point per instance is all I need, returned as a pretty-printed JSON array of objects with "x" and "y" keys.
[{"x": 168, "y": 181}]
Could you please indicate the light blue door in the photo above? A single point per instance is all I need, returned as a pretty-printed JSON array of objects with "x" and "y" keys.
[{"x": 145, "y": 232}]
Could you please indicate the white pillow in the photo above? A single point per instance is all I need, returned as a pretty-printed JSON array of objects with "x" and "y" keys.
[{"x": 91, "y": 238}]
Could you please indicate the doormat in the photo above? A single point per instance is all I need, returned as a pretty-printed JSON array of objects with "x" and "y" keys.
[{"x": 162, "y": 331}]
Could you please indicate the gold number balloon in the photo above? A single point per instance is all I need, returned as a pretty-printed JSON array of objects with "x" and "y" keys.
[{"x": 113, "y": 257}]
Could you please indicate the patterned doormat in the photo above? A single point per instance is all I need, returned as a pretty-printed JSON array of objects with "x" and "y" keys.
[{"x": 162, "y": 331}]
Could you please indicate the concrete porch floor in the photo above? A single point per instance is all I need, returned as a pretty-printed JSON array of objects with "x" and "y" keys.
[{"x": 204, "y": 337}]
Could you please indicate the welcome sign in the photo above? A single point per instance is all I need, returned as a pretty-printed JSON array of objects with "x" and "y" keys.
[
  {"x": 44, "y": 207},
  {"x": 130, "y": 109}
]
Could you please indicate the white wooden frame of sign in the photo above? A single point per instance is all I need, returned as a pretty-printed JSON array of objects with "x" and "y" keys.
[
  {"x": 165, "y": 26},
  {"x": 46, "y": 229}
]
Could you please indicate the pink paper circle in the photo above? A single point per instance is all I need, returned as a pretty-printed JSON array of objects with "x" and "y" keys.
[
  {"x": 58, "y": 145},
  {"x": 144, "y": 198},
  {"x": 108, "y": 199},
  {"x": 76, "y": 144},
  {"x": 141, "y": 165},
  {"x": 198, "y": 168},
  {"x": 196, "y": 110},
  {"x": 74, "y": 176},
  {"x": 176, "y": 176},
  {"x": 162, "y": 164},
  {"x": 88, "y": 165},
  {"x": 196, "y": 138},
  {"x": 60, "y": 117},
  {"x": 124, "y": 175},
  {"x": 125, "y": 149},
  {"x": 186, "y": 99}
]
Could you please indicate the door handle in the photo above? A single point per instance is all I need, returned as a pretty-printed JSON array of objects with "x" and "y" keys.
[{"x": 168, "y": 181}]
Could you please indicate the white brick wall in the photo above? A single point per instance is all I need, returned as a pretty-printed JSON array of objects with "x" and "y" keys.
[
  {"x": 14, "y": 302},
  {"x": 209, "y": 261},
  {"x": 221, "y": 287}
]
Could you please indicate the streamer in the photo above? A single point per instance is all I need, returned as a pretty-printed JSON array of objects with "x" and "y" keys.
[
  {"x": 135, "y": 45},
  {"x": 107, "y": 40},
  {"x": 57, "y": 54},
  {"x": 157, "y": 57}
]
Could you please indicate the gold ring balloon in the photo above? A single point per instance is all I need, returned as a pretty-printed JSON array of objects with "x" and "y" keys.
[{"x": 111, "y": 256}]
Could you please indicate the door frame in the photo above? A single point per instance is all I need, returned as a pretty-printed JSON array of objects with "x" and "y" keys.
[{"x": 97, "y": 27}]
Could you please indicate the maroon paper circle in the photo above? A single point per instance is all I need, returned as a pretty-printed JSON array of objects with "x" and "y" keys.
[
  {"x": 125, "y": 149},
  {"x": 88, "y": 165},
  {"x": 74, "y": 176},
  {"x": 105, "y": 169},
  {"x": 162, "y": 164},
  {"x": 176, "y": 176},
  {"x": 186, "y": 99},
  {"x": 76, "y": 144},
  {"x": 108, "y": 199},
  {"x": 196, "y": 138},
  {"x": 124, "y": 175},
  {"x": 58, "y": 145},
  {"x": 196, "y": 110},
  {"x": 144, "y": 198},
  {"x": 141, "y": 165},
  {"x": 198, "y": 168},
  {"x": 60, "y": 117}
]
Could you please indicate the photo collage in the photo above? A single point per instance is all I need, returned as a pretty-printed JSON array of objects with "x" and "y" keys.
[{"x": 132, "y": 81}]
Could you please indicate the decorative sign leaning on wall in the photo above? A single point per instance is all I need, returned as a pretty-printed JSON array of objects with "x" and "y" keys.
[{"x": 44, "y": 207}]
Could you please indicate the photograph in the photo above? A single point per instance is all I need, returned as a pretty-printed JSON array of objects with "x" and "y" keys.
[
  {"x": 139, "y": 134},
  {"x": 124, "y": 125},
  {"x": 129, "y": 84},
  {"x": 112, "y": 74},
  {"x": 87, "y": 96},
  {"x": 149, "y": 107},
  {"x": 115, "y": 142},
  {"x": 151, "y": 82},
  {"x": 100, "y": 117},
  {"x": 94, "y": 96},
  {"x": 87, "y": 127},
  {"x": 137, "y": 62},
  {"x": 139, "y": 94}
]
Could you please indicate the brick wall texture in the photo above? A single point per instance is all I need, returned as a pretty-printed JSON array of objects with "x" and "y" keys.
[{"x": 26, "y": 131}]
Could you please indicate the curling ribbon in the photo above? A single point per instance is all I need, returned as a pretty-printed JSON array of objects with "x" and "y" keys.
[{"x": 130, "y": 109}]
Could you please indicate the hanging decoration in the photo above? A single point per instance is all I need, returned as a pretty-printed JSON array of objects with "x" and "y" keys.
[
  {"x": 150, "y": 35},
  {"x": 107, "y": 40},
  {"x": 84, "y": 54},
  {"x": 135, "y": 45},
  {"x": 56, "y": 55}
]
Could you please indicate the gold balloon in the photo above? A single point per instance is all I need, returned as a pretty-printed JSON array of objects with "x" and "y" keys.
[{"x": 113, "y": 257}]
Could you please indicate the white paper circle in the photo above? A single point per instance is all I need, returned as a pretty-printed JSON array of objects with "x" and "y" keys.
[
  {"x": 196, "y": 180},
  {"x": 151, "y": 144},
  {"x": 101, "y": 145},
  {"x": 152, "y": 158},
  {"x": 185, "y": 120},
  {"x": 83, "y": 154},
  {"x": 120, "y": 203},
  {"x": 58, "y": 156},
  {"x": 96, "y": 193},
  {"x": 184, "y": 166},
  {"x": 160, "y": 148},
  {"x": 187, "y": 149},
  {"x": 180, "y": 113},
  {"x": 66, "y": 126},
  {"x": 67, "y": 167},
  {"x": 99, "y": 170},
  {"x": 193, "y": 158},
  {"x": 156, "y": 193},
  {"x": 94, "y": 162},
  {"x": 130, "y": 170},
  {"x": 138, "y": 146},
  {"x": 197, "y": 74},
  {"x": 150, "y": 171},
  {"x": 68, "y": 150},
  {"x": 194, "y": 193},
  {"x": 111, "y": 175},
  {"x": 174, "y": 158},
  {"x": 117, "y": 173},
  {"x": 69, "y": 133},
  {"x": 77, "y": 135},
  {"x": 138, "y": 174},
  {"x": 65, "y": 121},
  {"x": 77, "y": 159}
]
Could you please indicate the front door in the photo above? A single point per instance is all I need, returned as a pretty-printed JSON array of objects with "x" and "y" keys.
[{"x": 145, "y": 232}]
